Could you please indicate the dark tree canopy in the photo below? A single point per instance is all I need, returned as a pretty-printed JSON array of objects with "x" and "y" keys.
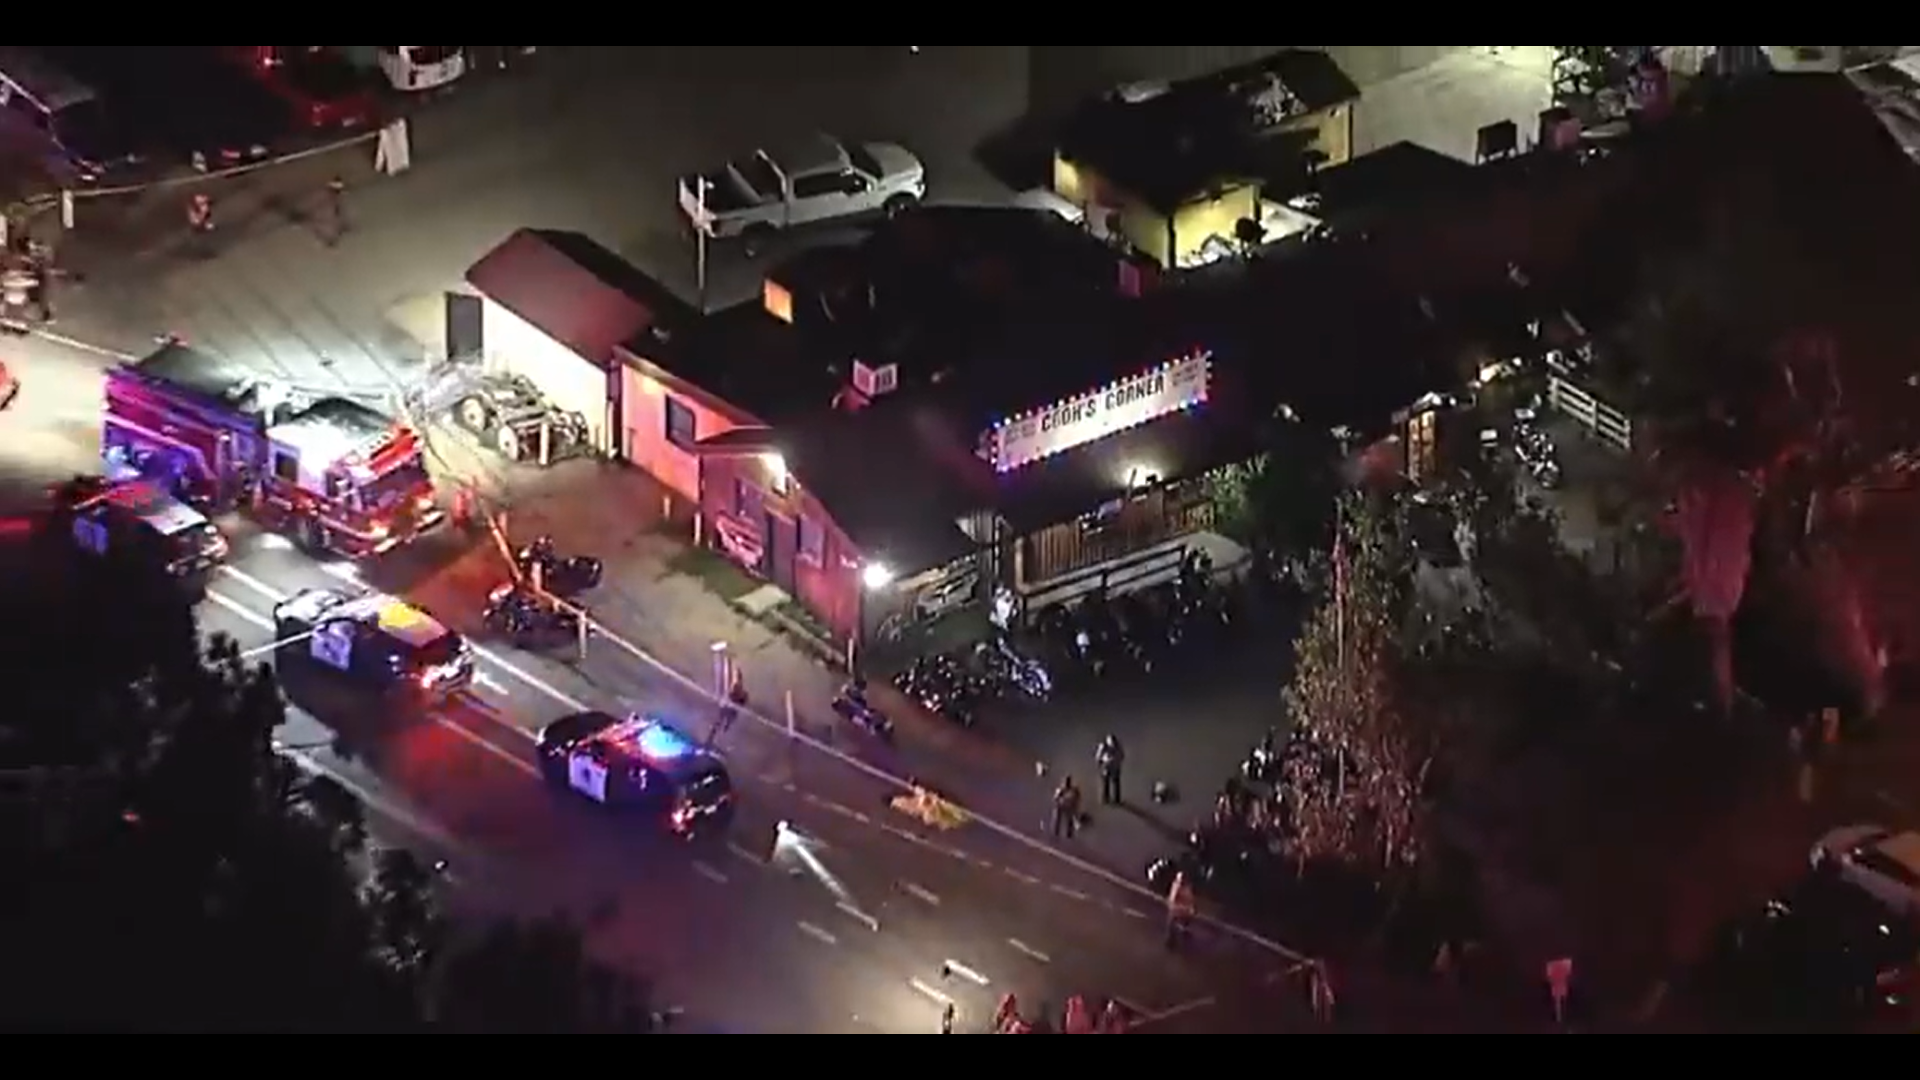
[{"x": 168, "y": 871}]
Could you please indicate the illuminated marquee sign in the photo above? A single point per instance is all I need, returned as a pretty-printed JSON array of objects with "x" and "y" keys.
[{"x": 1130, "y": 402}]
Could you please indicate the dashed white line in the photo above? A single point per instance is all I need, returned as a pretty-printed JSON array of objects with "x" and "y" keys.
[
  {"x": 711, "y": 873},
  {"x": 1071, "y": 894},
  {"x": 1029, "y": 951},
  {"x": 735, "y": 849},
  {"x": 818, "y": 933},
  {"x": 920, "y": 893},
  {"x": 1181, "y": 1009},
  {"x": 1138, "y": 1012},
  {"x": 859, "y": 916},
  {"x": 931, "y": 993},
  {"x": 955, "y": 967},
  {"x": 1024, "y": 879}
]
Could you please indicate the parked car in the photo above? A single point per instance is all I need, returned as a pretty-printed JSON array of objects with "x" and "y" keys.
[
  {"x": 1882, "y": 862},
  {"x": 186, "y": 103},
  {"x": 819, "y": 179},
  {"x": 326, "y": 90}
]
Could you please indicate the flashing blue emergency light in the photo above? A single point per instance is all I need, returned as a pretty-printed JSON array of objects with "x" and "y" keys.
[{"x": 658, "y": 742}]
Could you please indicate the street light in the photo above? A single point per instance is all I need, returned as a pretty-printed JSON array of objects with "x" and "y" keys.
[{"x": 876, "y": 576}]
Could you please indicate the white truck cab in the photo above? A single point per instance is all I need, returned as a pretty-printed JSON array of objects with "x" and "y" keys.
[{"x": 818, "y": 179}]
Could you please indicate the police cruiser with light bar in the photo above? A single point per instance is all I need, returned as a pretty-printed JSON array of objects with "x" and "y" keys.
[
  {"x": 639, "y": 763},
  {"x": 373, "y": 639}
]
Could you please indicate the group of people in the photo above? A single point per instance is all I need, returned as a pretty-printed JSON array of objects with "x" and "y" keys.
[
  {"x": 1068, "y": 813},
  {"x": 1078, "y": 1018}
]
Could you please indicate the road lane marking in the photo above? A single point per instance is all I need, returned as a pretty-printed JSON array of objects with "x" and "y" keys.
[
  {"x": 247, "y": 614},
  {"x": 955, "y": 967},
  {"x": 735, "y": 849},
  {"x": 1024, "y": 879},
  {"x": 711, "y": 873},
  {"x": 859, "y": 916},
  {"x": 818, "y": 933},
  {"x": 1029, "y": 951},
  {"x": 484, "y": 744},
  {"x": 920, "y": 893},
  {"x": 1071, "y": 894},
  {"x": 873, "y": 772},
  {"x": 1136, "y": 913},
  {"x": 1136, "y": 1010},
  {"x": 84, "y": 346},
  {"x": 931, "y": 993},
  {"x": 1181, "y": 1009},
  {"x": 486, "y": 654}
]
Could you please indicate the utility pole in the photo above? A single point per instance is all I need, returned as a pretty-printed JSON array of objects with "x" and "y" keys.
[{"x": 702, "y": 232}]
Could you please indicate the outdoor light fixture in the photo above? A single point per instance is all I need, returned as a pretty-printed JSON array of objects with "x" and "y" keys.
[
  {"x": 776, "y": 472},
  {"x": 876, "y": 576}
]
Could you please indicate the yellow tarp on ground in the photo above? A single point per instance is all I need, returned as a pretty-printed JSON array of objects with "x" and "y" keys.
[{"x": 930, "y": 809}]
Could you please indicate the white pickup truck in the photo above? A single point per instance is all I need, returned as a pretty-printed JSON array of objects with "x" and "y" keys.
[{"x": 821, "y": 179}]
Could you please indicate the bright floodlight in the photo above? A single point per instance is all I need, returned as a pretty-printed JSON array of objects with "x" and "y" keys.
[{"x": 876, "y": 576}]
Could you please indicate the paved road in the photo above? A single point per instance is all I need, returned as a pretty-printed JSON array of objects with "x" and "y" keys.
[
  {"x": 589, "y": 138},
  {"x": 847, "y": 930}
]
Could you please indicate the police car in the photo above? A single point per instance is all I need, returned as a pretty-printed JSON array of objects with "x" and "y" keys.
[
  {"x": 144, "y": 516},
  {"x": 373, "y": 639},
  {"x": 639, "y": 763}
]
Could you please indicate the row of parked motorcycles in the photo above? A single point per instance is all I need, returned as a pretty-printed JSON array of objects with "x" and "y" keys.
[
  {"x": 535, "y": 608},
  {"x": 1079, "y": 643},
  {"x": 1238, "y": 851},
  {"x": 1140, "y": 632}
]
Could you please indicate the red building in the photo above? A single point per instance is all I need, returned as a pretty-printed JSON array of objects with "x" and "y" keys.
[{"x": 970, "y": 401}]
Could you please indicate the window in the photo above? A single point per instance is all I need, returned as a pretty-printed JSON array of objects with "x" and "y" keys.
[
  {"x": 682, "y": 423},
  {"x": 286, "y": 467},
  {"x": 818, "y": 184},
  {"x": 742, "y": 497},
  {"x": 813, "y": 541}
]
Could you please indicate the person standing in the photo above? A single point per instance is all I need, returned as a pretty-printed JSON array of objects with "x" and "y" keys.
[
  {"x": 1181, "y": 910},
  {"x": 1065, "y": 820},
  {"x": 336, "y": 209},
  {"x": 730, "y": 708},
  {"x": 1110, "y": 756}
]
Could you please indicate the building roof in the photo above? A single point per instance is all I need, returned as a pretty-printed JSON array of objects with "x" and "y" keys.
[
  {"x": 575, "y": 291},
  {"x": 992, "y": 310},
  {"x": 749, "y": 359},
  {"x": 897, "y": 478},
  {"x": 1202, "y": 135},
  {"x": 1385, "y": 183}
]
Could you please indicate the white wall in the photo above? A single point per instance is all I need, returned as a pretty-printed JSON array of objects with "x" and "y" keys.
[{"x": 517, "y": 347}]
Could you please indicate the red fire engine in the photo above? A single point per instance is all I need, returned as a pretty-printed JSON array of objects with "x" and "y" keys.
[{"x": 334, "y": 474}]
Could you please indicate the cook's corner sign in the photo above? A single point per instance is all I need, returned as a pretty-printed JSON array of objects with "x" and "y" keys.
[{"x": 1134, "y": 400}]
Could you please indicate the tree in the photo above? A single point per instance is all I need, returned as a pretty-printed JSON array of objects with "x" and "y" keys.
[
  {"x": 1361, "y": 797},
  {"x": 536, "y": 977},
  {"x": 166, "y": 869},
  {"x": 1283, "y": 498}
]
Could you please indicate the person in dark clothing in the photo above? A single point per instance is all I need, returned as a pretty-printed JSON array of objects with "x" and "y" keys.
[
  {"x": 336, "y": 209},
  {"x": 1110, "y": 756},
  {"x": 1065, "y": 820}
]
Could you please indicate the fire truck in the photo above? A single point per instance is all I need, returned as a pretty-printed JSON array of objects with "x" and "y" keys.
[{"x": 332, "y": 473}]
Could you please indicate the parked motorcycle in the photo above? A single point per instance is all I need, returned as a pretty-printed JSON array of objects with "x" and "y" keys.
[
  {"x": 943, "y": 686},
  {"x": 517, "y": 614},
  {"x": 853, "y": 705},
  {"x": 1006, "y": 665},
  {"x": 570, "y": 575}
]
